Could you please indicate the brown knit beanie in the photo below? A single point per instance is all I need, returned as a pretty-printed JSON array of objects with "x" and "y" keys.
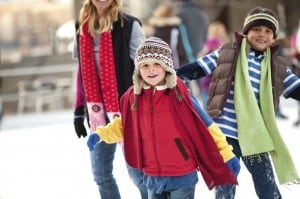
[
  {"x": 153, "y": 49},
  {"x": 259, "y": 16}
]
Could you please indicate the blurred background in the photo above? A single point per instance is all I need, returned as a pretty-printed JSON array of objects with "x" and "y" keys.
[{"x": 36, "y": 41}]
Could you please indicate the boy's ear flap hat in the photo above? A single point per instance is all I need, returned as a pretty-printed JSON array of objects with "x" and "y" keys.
[
  {"x": 155, "y": 50},
  {"x": 259, "y": 16}
]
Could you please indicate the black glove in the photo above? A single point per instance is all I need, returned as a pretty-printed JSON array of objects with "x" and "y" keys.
[
  {"x": 190, "y": 71},
  {"x": 79, "y": 122}
]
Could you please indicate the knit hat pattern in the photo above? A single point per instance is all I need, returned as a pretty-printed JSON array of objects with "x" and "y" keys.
[
  {"x": 259, "y": 16},
  {"x": 153, "y": 49}
]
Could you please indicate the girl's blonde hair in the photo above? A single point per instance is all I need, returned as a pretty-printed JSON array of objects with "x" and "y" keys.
[{"x": 103, "y": 23}]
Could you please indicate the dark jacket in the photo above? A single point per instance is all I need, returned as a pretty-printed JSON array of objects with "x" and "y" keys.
[
  {"x": 196, "y": 22},
  {"x": 163, "y": 28}
]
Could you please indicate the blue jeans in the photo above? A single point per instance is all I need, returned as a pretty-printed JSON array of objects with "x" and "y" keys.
[
  {"x": 260, "y": 168},
  {"x": 184, "y": 193},
  {"x": 137, "y": 178},
  {"x": 102, "y": 167}
]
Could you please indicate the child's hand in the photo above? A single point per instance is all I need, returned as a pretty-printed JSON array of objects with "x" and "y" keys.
[
  {"x": 234, "y": 165},
  {"x": 112, "y": 132},
  {"x": 93, "y": 139}
]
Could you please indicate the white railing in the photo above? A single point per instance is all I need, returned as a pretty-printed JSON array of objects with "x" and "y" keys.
[
  {"x": 64, "y": 86},
  {"x": 38, "y": 70}
]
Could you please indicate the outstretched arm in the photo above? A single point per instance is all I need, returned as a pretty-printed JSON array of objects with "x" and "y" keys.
[
  {"x": 224, "y": 148},
  {"x": 199, "y": 68},
  {"x": 190, "y": 71}
]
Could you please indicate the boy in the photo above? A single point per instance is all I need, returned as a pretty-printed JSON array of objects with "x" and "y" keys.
[
  {"x": 247, "y": 79},
  {"x": 163, "y": 135}
]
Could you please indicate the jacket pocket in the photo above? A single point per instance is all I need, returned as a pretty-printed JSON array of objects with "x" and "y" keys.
[{"x": 181, "y": 149}]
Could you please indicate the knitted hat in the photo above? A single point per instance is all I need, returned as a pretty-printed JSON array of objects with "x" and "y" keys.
[
  {"x": 156, "y": 50},
  {"x": 259, "y": 16}
]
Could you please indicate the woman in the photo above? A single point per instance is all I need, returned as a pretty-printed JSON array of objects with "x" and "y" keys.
[{"x": 107, "y": 40}]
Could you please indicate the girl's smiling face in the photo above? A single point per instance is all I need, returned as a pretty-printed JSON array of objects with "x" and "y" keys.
[
  {"x": 152, "y": 73},
  {"x": 260, "y": 37}
]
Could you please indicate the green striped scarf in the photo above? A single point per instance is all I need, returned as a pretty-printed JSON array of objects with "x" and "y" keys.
[{"x": 257, "y": 129}]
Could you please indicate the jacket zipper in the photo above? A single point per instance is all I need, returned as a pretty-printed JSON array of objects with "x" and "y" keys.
[{"x": 153, "y": 131}]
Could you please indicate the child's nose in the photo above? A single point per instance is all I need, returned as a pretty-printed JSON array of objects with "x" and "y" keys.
[
  {"x": 260, "y": 33},
  {"x": 152, "y": 68}
]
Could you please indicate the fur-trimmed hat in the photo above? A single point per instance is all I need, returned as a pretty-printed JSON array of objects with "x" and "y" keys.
[
  {"x": 259, "y": 16},
  {"x": 153, "y": 49}
]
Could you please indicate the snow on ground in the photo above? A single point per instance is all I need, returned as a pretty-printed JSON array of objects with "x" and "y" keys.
[{"x": 42, "y": 158}]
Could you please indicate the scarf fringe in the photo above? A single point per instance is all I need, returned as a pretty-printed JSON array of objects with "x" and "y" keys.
[{"x": 291, "y": 184}]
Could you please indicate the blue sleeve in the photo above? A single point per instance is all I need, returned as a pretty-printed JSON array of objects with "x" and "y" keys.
[
  {"x": 201, "y": 67},
  {"x": 202, "y": 113},
  {"x": 291, "y": 83},
  {"x": 208, "y": 63}
]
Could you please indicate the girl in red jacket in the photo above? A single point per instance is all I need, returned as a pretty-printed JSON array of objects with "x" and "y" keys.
[{"x": 163, "y": 133}]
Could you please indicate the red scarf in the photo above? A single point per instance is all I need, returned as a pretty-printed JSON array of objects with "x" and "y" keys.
[{"x": 100, "y": 87}]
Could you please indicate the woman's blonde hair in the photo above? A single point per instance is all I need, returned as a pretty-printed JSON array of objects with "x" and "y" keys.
[{"x": 103, "y": 23}]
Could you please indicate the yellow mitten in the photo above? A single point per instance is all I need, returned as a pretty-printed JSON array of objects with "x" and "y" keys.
[
  {"x": 224, "y": 148},
  {"x": 112, "y": 132}
]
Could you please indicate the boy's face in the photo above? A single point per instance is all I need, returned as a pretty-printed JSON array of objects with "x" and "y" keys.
[
  {"x": 153, "y": 73},
  {"x": 260, "y": 38}
]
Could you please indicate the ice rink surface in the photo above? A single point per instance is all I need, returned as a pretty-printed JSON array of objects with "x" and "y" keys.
[{"x": 42, "y": 158}]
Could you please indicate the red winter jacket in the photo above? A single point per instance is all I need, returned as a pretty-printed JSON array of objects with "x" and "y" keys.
[
  {"x": 165, "y": 137},
  {"x": 165, "y": 151}
]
